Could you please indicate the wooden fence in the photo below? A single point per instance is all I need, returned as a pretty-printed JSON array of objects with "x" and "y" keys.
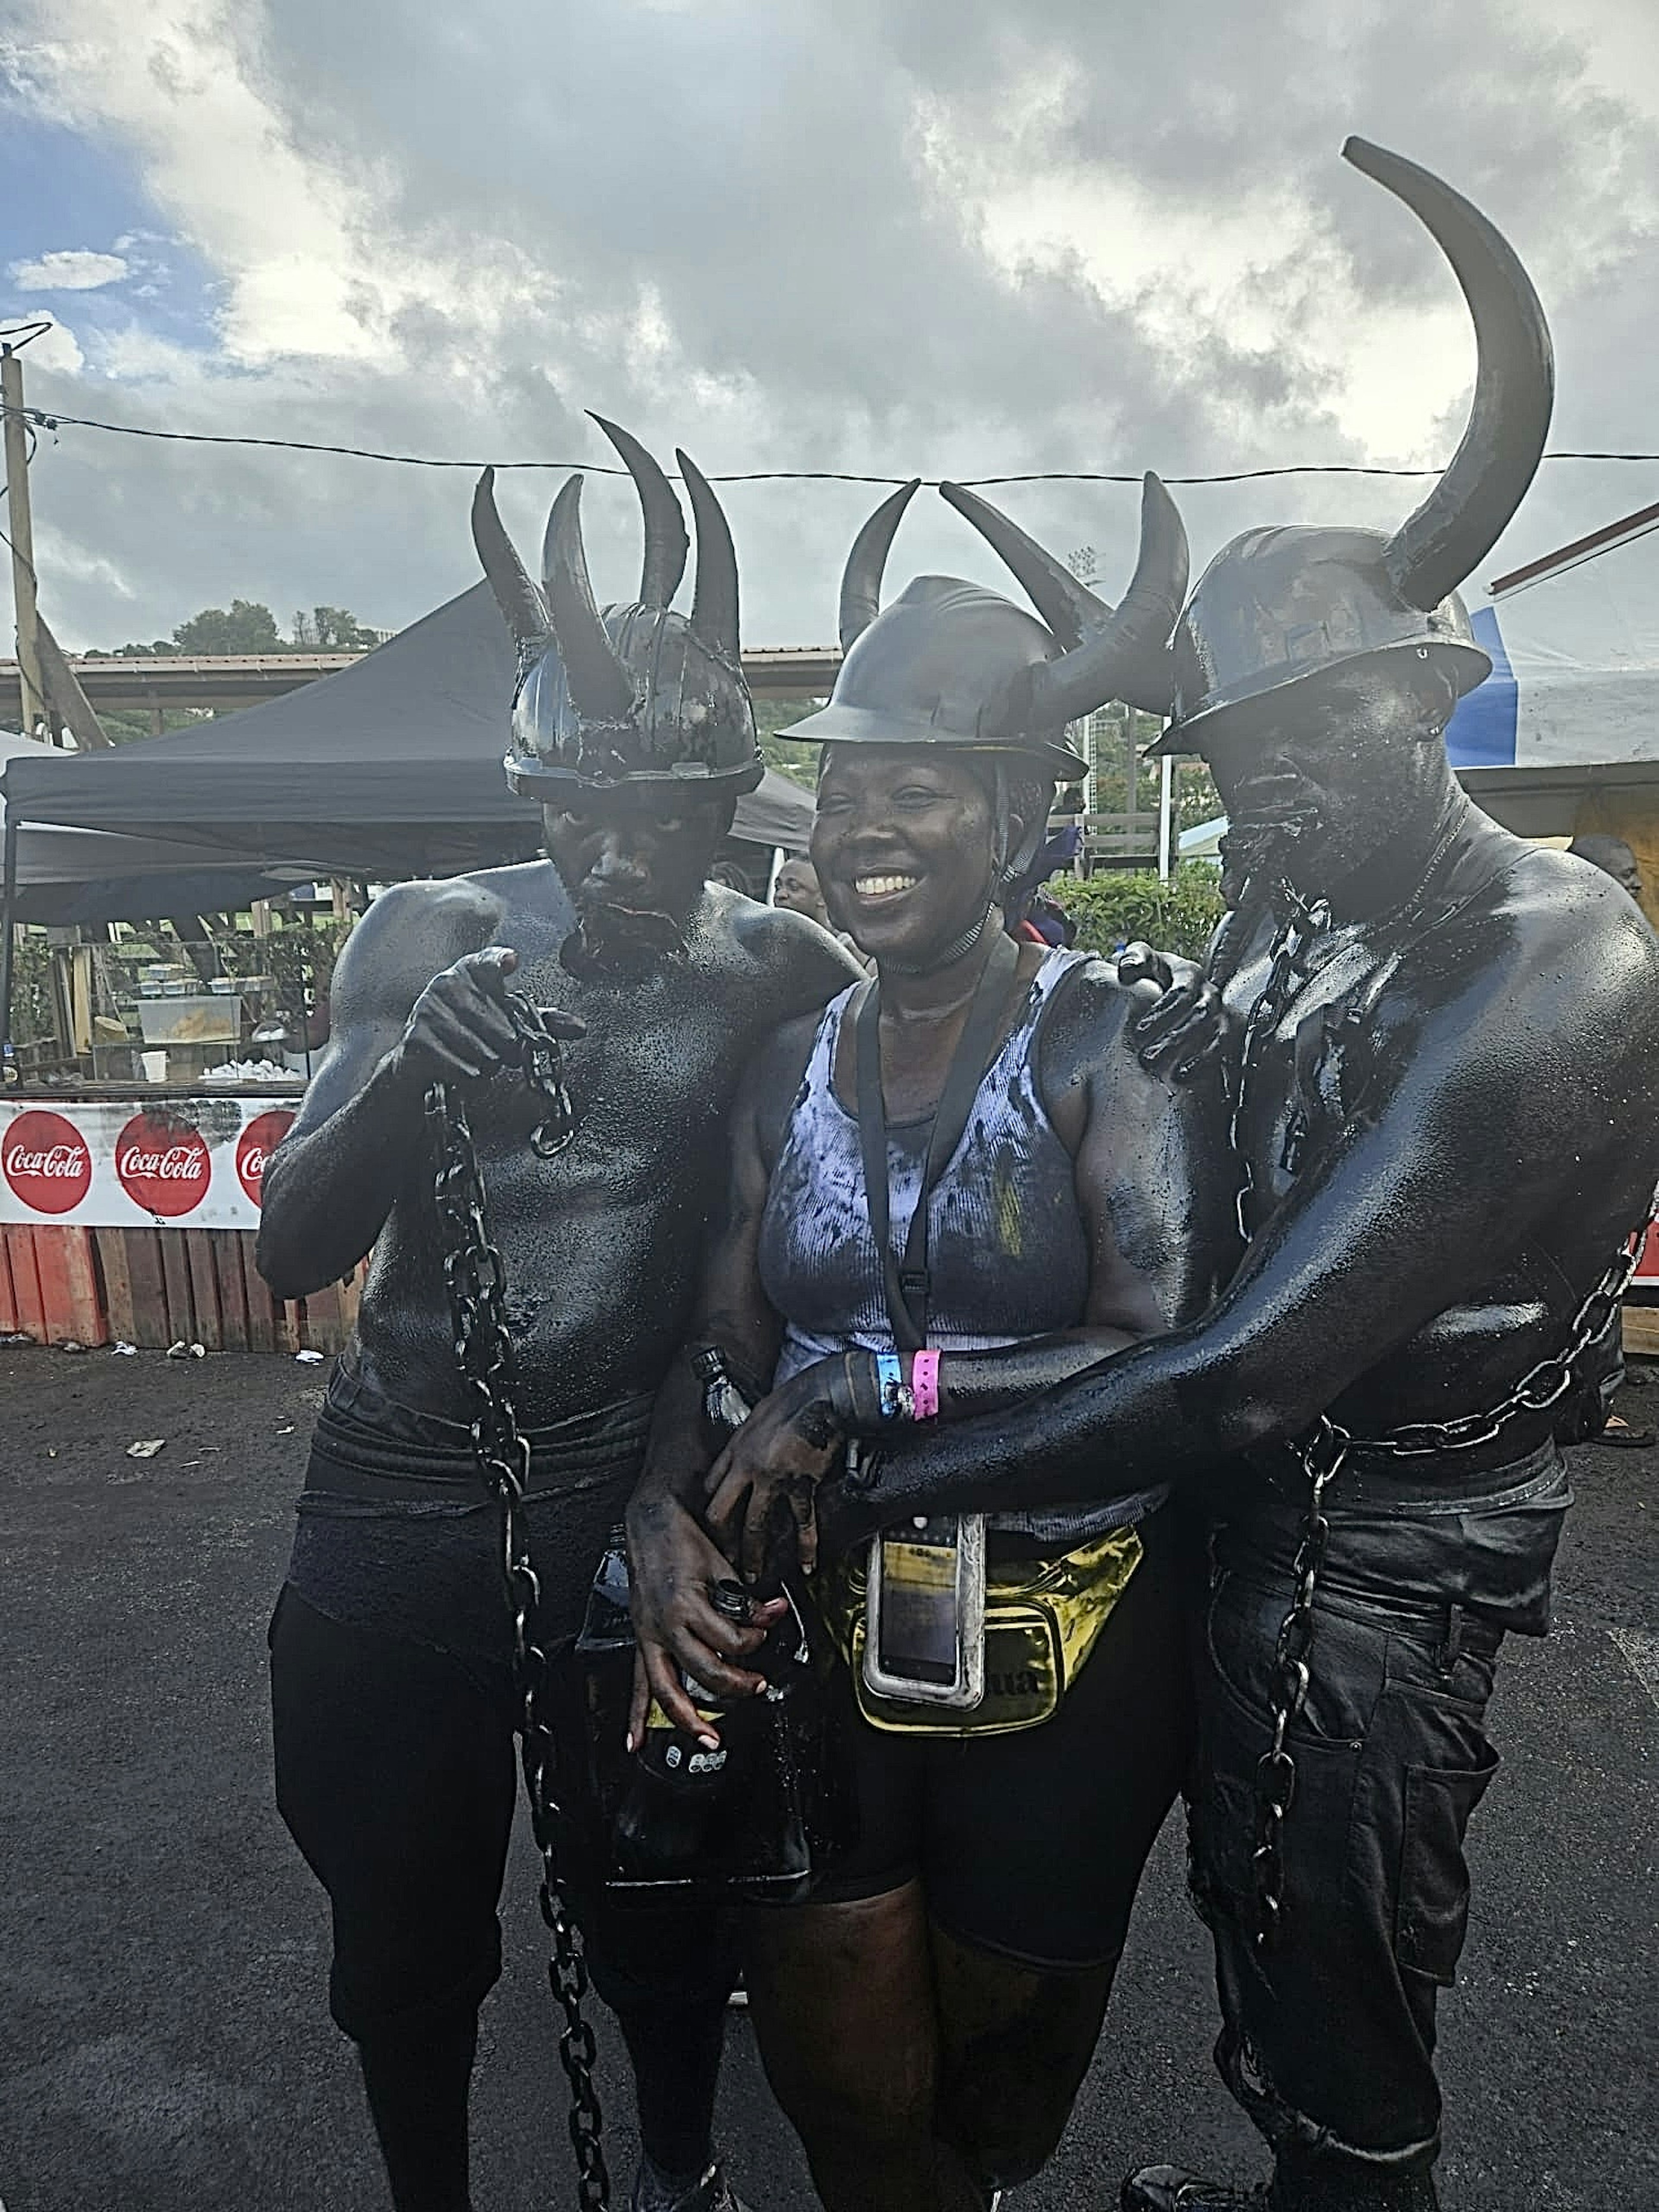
[{"x": 155, "y": 1287}]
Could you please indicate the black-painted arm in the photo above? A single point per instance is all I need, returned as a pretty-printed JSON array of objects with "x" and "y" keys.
[
  {"x": 332, "y": 1180},
  {"x": 1423, "y": 1194}
]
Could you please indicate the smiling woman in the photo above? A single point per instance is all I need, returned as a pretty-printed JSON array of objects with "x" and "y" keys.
[{"x": 926, "y": 2018}]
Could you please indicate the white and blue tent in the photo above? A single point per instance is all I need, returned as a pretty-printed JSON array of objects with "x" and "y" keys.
[{"x": 1574, "y": 640}]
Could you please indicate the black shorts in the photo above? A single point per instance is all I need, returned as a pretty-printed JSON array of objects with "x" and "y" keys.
[
  {"x": 395, "y": 1773},
  {"x": 1032, "y": 1844}
]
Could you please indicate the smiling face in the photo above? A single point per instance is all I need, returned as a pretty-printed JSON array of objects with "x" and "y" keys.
[
  {"x": 1346, "y": 760},
  {"x": 904, "y": 844},
  {"x": 636, "y": 848}
]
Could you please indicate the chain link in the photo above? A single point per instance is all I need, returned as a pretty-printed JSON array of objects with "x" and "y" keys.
[
  {"x": 475, "y": 1280},
  {"x": 1305, "y": 922}
]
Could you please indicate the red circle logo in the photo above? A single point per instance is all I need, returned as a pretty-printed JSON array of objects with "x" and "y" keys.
[
  {"x": 164, "y": 1166},
  {"x": 47, "y": 1162},
  {"x": 255, "y": 1147}
]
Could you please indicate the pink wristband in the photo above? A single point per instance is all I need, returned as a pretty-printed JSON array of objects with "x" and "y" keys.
[{"x": 924, "y": 1385}]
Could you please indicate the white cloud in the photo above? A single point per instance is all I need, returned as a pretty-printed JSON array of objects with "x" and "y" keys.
[
  {"x": 74, "y": 270},
  {"x": 58, "y": 348},
  {"x": 869, "y": 235}
]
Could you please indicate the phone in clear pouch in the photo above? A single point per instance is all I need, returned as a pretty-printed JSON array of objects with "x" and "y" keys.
[{"x": 925, "y": 1613}]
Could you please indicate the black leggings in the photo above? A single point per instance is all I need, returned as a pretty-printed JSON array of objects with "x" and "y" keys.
[
  {"x": 396, "y": 1774},
  {"x": 1032, "y": 1844}
]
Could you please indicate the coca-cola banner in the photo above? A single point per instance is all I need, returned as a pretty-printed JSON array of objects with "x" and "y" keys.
[{"x": 117, "y": 1162}]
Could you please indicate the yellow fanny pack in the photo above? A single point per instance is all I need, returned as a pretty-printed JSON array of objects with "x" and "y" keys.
[{"x": 1043, "y": 1619}]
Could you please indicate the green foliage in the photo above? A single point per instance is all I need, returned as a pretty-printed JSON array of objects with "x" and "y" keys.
[
  {"x": 1117, "y": 906},
  {"x": 31, "y": 987},
  {"x": 1197, "y": 799},
  {"x": 248, "y": 627},
  {"x": 330, "y": 629},
  {"x": 799, "y": 763}
]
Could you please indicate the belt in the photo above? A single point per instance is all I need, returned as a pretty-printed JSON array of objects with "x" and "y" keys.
[{"x": 1369, "y": 1485}]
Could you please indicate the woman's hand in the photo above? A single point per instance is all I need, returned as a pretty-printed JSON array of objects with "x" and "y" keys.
[
  {"x": 672, "y": 1568},
  {"x": 763, "y": 1483}
]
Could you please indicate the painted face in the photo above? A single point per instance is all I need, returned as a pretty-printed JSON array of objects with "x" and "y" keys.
[
  {"x": 638, "y": 848},
  {"x": 797, "y": 888},
  {"x": 1346, "y": 761},
  {"x": 902, "y": 844}
]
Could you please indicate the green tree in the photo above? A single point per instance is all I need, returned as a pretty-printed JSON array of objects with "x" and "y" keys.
[
  {"x": 337, "y": 630},
  {"x": 1118, "y": 905},
  {"x": 248, "y": 627},
  {"x": 799, "y": 761}
]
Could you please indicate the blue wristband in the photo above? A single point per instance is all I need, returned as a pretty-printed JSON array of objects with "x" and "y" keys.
[{"x": 890, "y": 1384}]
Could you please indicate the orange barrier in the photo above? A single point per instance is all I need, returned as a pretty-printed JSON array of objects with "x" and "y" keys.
[
  {"x": 153, "y": 1287},
  {"x": 49, "y": 1286}
]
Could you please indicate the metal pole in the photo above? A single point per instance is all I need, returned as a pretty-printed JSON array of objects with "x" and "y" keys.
[
  {"x": 1165, "y": 816},
  {"x": 7, "y": 930},
  {"x": 33, "y": 689}
]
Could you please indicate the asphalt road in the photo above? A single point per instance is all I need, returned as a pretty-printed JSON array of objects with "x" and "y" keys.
[{"x": 164, "y": 2045}]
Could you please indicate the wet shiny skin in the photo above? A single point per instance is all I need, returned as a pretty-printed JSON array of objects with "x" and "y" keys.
[
  {"x": 600, "y": 1242},
  {"x": 1480, "y": 1135}
]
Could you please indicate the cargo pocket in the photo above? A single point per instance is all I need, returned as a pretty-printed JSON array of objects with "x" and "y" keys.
[{"x": 1433, "y": 1916}]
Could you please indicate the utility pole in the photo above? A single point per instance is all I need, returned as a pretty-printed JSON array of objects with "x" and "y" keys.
[{"x": 33, "y": 689}]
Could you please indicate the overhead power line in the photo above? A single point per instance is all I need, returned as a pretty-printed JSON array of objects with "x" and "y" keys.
[{"x": 42, "y": 419}]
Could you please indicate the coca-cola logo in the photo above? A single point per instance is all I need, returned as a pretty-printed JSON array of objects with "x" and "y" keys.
[
  {"x": 255, "y": 1147},
  {"x": 163, "y": 1166},
  {"x": 47, "y": 1162}
]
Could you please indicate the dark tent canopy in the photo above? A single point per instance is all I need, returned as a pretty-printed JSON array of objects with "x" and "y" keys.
[
  {"x": 390, "y": 767},
  {"x": 93, "y": 875}
]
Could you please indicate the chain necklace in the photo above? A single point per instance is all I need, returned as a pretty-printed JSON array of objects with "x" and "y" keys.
[
  {"x": 475, "y": 1280},
  {"x": 1321, "y": 1453}
]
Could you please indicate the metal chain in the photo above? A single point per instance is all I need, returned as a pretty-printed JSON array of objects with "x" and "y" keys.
[
  {"x": 1542, "y": 1385},
  {"x": 476, "y": 1282},
  {"x": 1305, "y": 922},
  {"x": 1321, "y": 1454}
]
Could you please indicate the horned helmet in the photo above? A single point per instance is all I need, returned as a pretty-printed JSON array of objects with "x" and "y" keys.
[
  {"x": 633, "y": 693},
  {"x": 950, "y": 663},
  {"x": 1278, "y": 606}
]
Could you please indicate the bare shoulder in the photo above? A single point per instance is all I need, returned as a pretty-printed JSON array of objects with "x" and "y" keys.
[
  {"x": 1572, "y": 934},
  {"x": 799, "y": 964},
  {"x": 410, "y": 933},
  {"x": 1083, "y": 1027}
]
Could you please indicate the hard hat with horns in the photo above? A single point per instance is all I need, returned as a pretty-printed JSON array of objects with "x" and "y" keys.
[
  {"x": 950, "y": 663},
  {"x": 1278, "y": 606},
  {"x": 636, "y": 693}
]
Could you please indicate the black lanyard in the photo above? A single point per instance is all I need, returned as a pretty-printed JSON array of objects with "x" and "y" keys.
[{"x": 905, "y": 1283}]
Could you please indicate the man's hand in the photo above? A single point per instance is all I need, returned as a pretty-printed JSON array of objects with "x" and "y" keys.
[
  {"x": 1187, "y": 1028},
  {"x": 460, "y": 1025},
  {"x": 761, "y": 1489},
  {"x": 672, "y": 1568}
]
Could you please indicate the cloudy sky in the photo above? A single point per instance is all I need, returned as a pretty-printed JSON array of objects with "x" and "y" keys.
[{"x": 898, "y": 236}]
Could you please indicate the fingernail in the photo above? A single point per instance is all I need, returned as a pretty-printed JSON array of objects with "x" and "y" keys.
[
  {"x": 709, "y": 1743},
  {"x": 629, "y": 1740}
]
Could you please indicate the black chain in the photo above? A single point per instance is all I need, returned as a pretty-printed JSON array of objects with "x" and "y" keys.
[
  {"x": 1305, "y": 922},
  {"x": 1322, "y": 1453},
  {"x": 476, "y": 1281}
]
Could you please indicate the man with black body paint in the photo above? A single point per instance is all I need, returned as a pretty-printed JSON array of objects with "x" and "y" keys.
[
  {"x": 390, "y": 1648},
  {"x": 1444, "y": 1137}
]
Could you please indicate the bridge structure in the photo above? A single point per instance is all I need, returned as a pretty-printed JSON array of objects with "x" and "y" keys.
[{"x": 219, "y": 683}]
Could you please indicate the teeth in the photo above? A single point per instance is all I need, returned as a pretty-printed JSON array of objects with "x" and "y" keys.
[{"x": 878, "y": 886}]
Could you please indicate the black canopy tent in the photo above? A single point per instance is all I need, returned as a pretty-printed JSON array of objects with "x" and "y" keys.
[
  {"x": 390, "y": 767},
  {"x": 65, "y": 876}
]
